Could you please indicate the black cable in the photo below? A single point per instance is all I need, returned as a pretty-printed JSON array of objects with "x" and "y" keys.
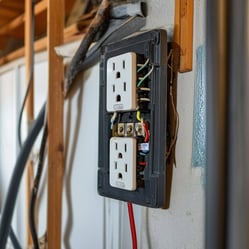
[
  {"x": 30, "y": 76},
  {"x": 120, "y": 29},
  {"x": 86, "y": 7},
  {"x": 14, "y": 239},
  {"x": 16, "y": 177},
  {"x": 100, "y": 20},
  {"x": 35, "y": 188}
]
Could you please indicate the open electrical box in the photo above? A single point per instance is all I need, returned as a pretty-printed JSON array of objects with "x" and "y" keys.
[{"x": 133, "y": 119}]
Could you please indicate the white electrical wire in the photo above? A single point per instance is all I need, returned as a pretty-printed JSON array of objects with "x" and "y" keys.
[
  {"x": 114, "y": 116},
  {"x": 144, "y": 100},
  {"x": 145, "y": 77},
  {"x": 142, "y": 66},
  {"x": 146, "y": 89}
]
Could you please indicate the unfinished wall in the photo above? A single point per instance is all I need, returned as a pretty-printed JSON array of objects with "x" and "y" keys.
[{"x": 90, "y": 221}]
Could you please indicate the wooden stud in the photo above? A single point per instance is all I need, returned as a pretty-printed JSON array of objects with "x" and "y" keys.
[
  {"x": 183, "y": 32},
  {"x": 55, "y": 123},
  {"x": 29, "y": 107}
]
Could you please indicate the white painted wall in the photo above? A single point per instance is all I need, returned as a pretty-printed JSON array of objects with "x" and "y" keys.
[{"x": 90, "y": 221}]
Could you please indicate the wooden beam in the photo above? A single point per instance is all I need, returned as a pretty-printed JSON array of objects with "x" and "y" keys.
[
  {"x": 19, "y": 20},
  {"x": 12, "y": 25},
  {"x": 41, "y": 6},
  {"x": 6, "y": 12},
  {"x": 55, "y": 24},
  {"x": 70, "y": 35},
  {"x": 3, "y": 43},
  {"x": 18, "y": 5},
  {"x": 183, "y": 32},
  {"x": 29, "y": 103}
]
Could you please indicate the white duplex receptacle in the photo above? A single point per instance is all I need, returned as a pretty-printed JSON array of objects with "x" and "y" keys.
[
  {"x": 121, "y": 82},
  {"x": 123, "y": 162}
]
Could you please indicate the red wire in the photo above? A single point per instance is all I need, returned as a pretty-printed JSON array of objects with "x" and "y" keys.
[
  {"x": 132, "y": 225},
  {"x": 142, "y": 163},
  {"x": 147, "y": 134}
]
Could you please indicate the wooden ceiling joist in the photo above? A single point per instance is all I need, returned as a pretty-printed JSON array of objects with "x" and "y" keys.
[
  {"x": 12, "y": 25},
  {"x": 19, "y": 20},
  {"x": 12, "y": 28},
  {"x": 40, "y": 7},
  {"x": 17, "y": 5},
  {"x": 70, "y": 34},
  {"x": 8, "y": 12}
]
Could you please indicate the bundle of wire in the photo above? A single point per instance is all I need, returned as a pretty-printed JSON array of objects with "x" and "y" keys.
[{"x": 120, "y": 28}]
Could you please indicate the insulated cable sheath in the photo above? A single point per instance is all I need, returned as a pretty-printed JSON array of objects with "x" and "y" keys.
[
  {"x": 32, "y": 225},
  {"x": 121, "y": 29},
  {"x": 9, "y": 204},
  {"x": 132, "y": 225},
  {"x": 100, "y": 20},
  {"x": 14, "y": 239}
]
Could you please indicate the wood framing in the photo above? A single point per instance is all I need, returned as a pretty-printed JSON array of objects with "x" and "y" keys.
[
  {"x": 29, "y": 103},
  {"x": 183, "y": 32},
  {"x": 19, "y": 20},
  {"x": 71, "y": 33},
  {"x": 55, "y": 123}
]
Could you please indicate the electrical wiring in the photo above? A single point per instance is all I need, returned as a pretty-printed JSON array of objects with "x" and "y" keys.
[
  {"x": 177, "y": 124},
  {"x": 145, "y": 77},
  {"x": 142, "y": 163},
  {"x": 30, "y": 76},
  {"x": 145, "y": 89},
  {"x": 86, "y": 6},
  {"x": 132, "y": 225},
  {"x": 100, "y": 21},
  {"x": 176, "y": 115},
  {"x": 16, "y": 177},
  {"x": 117, "y": 30},
  {"x": 142, "y": 154},
  {"x": 146, "y": 131},
  {"x": 143, "y": 65},
  {"x": 145, "y": 126},
  {"x": 138, "y": 116},
  {"x": 144, "y": 100},
  {"x": 14, "y": 239},
  {"x": 114, "y": 116},
  {"x": 35, "y": 188}
]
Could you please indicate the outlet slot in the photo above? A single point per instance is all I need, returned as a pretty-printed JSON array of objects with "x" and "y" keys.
[
  {"x": 118, "y": 99},
  {"x": 124, "y": 86}
]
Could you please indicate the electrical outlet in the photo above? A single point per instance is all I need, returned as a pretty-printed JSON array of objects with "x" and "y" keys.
[
  {"x": 133, "y": 119},
  {"x": 121, "y": 83},
  {"x": 123, "y": 163}
]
